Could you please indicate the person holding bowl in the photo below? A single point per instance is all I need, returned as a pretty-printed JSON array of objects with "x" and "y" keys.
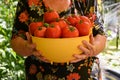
[{"x": 37, "y": 66}]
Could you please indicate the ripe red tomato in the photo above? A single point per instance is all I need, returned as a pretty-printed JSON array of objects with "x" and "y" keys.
[
  {"x": 62, "y": 23},
  {"x": 73, "y": 20},
  {"x": 70, "y": 32},
  {"x": 53, "y": 31},
  {"x": 33, "y": 26},
  {"x": 40, "y": 32},
  {"x": 83, "y": 28},
  {"x": 50, "y": 16},
  {"x": 85, "y": 19}
]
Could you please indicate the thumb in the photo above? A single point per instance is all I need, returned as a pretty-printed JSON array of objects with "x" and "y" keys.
[
  {"x": 28, "y": 37},
  {"x": 91, "y": 39}
]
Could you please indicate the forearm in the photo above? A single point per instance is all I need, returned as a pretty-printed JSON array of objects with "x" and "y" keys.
[
  {"x": 99, "y": 43},
  {"x": 18, "y": 44}
]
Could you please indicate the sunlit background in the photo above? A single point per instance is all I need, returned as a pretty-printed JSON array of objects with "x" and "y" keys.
[{"x": 12, "y": 65}]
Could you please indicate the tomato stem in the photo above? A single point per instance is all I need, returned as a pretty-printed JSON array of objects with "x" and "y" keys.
[
  {"x": 39, "y": 28},
  {"x": 46, "y": 25},
  {"x": 81, "y": 21},
  {"x": 71, "y": 29}
]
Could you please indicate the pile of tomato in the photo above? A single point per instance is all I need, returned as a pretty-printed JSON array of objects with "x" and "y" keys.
[{"x": 55, "y": 27}]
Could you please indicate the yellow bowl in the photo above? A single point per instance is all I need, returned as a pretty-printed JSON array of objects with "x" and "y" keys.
[{"x": 59, "y": 50}]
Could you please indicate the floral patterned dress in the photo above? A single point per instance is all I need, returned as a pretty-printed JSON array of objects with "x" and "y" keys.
[{"x": 32, "y": 11}]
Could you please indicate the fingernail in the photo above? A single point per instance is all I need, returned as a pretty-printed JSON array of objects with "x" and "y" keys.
[
  {"x": 79, "y": 46},
  {"x": 84, "y": 41}
]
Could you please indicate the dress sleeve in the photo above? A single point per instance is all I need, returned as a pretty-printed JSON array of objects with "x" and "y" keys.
[
  {"x": 21, "y": 20},
  {"x": 98, "y": 27}
]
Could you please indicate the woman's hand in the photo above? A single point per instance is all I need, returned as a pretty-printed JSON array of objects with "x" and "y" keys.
[
  {"x": 88, "y": 50},
  {"x": 32, "y": 47},
  {"x": 92, "y": 48},
  {"x": 26, "y": 47}
]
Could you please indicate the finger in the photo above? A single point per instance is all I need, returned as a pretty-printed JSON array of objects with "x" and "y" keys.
[
  {"x": 44, "y": 59},
  {"x": 78, "y": 58},
  {"x": 84, "y": 49},
  {"x": 75, "y": 60},
  {"x": 38, "y": 54},
  {"x": 89, "y": 49},
  {"x": 91, "y": 38},
  {"x": 87, "y": 44},
  {"x": 28, "y": 37},
  {"x": 82, "y": 56},
  {"x": 30, "y": 46}
]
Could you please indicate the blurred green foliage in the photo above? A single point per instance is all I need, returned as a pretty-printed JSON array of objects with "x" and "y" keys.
[{"x": 11, "y": 65}]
